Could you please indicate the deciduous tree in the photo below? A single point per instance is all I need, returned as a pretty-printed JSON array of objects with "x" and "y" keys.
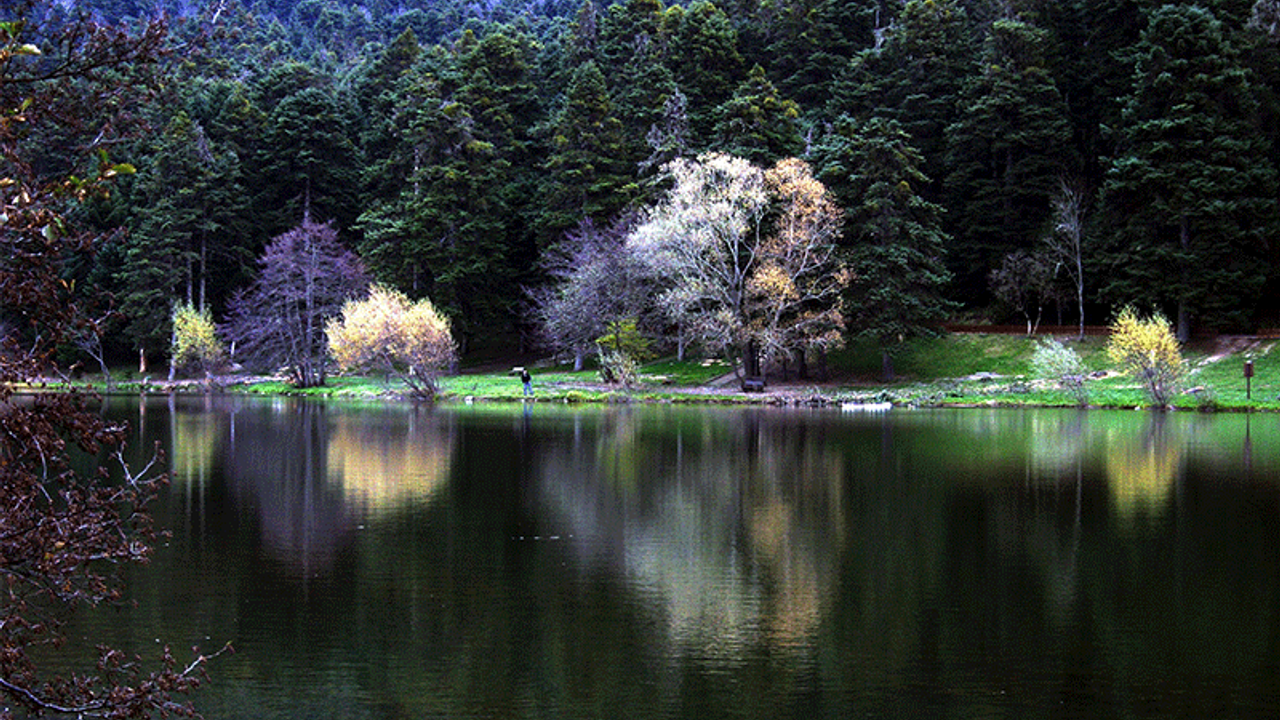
[
  {"x": 1024, "y": 281},
  {"x": 797, "y": 288},
  {"x": 1146, "y": 349},
  {"x": 732, "y": 279},
  {"x": 596, "y": 287},
  {"x": 702, "y": 240},
  {"x": 278, "y": 321},
  {"x": 60, "y": 528},
  {"x": 195, "y": 347},
  {"x": 389, "y": 332}
]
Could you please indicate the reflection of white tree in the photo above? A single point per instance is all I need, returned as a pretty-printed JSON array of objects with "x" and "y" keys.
[{"x": 733, "y": 534}]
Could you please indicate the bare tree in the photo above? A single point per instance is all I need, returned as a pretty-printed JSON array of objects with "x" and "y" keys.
[
  {"x": 739, "y": 280},
  {"x": 62, "y": 529},
  {"x": 278, "y": 321},
  {"x": 703, "y": 239},
  {"x": 598, "y": 285},
  {"x": 1024, "y": 280},
  {"x": 1065, "y": 243}
]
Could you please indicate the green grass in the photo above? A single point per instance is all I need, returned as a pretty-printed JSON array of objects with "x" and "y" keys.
[{"x": 975, "y": 369}]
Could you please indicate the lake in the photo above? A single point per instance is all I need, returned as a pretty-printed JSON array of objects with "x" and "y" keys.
[{"x": 550, "y": 561}]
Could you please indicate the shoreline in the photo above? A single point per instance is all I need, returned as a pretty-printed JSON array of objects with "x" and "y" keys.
[{"x": 948, "y": 393}]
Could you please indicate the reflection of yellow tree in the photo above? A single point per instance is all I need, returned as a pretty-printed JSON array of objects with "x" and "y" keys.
[
  {"x": 381, "y": 468},
  {"x": 197, "y": 438},
  {"x": 1142, "y": 470}
]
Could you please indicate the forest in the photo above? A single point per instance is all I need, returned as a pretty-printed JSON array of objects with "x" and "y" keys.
[{"x": 987, "y": 160}]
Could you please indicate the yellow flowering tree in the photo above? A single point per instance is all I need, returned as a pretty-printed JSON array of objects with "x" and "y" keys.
[
  {"x": 1146, "y": 349},
  {"x": 195, "y": 347},
  {"x": 387, "y": 331}
]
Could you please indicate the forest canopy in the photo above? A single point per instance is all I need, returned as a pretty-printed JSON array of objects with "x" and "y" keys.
[{"x": 456, "y": 146}]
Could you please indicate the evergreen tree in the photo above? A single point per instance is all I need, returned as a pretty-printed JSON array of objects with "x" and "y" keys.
[
  {"x": 184, "y": 245},
  {"x": 1007, "y": 153},
  {"x": 757, "y": 123},
  {"x": 914, "y": 75},
  {"x": 586, "y": 180},
  {"x": 308, "y": 161},
  {"x": 705, "y": 62},
  {"x": 1191, "y": 208},
  {"x": 893, "y": 235},
  {"x": 814, "y": 36}
]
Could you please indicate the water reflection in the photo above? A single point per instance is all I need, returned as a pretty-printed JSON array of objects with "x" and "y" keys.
[
  {"x": 733, "y": 530},
  {"x": 667, "y": 563},
  {"x": 384, "y": 462},
  {"x": 1143, "y": 468},
  {"x": 312, "y": 476}
]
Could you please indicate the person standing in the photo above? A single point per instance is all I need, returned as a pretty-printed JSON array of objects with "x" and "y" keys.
[{"x": 528, "y": 382}]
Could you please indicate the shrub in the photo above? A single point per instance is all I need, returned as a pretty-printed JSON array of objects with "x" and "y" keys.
[
  {"x": 619, "y": 367},
  {"x": 389, "y": 332},
  {"x": 1054, "y": 361},
  {"x": 1146, "y": 349},
  {"x": 195, "y": 347}
]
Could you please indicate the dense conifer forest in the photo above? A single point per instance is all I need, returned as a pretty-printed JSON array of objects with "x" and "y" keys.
[{"x": 1054, "y": 158}]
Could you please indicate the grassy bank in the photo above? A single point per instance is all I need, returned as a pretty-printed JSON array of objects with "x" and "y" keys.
[{"x": 961, "y": 369}]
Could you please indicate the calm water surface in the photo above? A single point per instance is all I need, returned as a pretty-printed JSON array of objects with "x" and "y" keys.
[{"x": 654, "y": 562}]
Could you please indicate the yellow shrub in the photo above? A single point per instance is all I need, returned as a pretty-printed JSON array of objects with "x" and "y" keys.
[
  {"x": 195, "y": 346},
  {"x": 389, "y": 332},
  {"x": 1146, "y": 349}
]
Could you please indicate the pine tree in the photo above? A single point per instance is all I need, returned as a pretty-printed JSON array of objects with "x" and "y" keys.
[
  {"x": 893, "y": 235},
  {"x": 757, "y": 123},
  {"x": 586, "y": 178},
  {"x": 1191, "y": 207},
  {"x": 184, "y": 243},
  {"x": 705, "y": 62},
  {"x": 1007, "y": 153},
  {"x": 914, "y": 75},
  {"x": 811, "y": 38}
]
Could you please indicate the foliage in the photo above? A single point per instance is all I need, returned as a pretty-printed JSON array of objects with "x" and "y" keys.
[
  {"x": 894, "y": 236},
  {"x": 196, "y": 347},
  {"x": 61, "y": 529},
  {"x": 796, "y": 290},
  {"x": 1190, "y": 210},
  {"x": 278, "y": 321},
  {"x": 1054, "y": 361},
  {"x": 1005, "y": 152},
  {"x": 624, "y": 336},
  {"x": 387, "y": 331},
  {"x": 1146, "y": 349},
  {"x": 735, "y": 281},
  {"x": 701, "y": 241},
  {"x": 468, "y": 137},
  {"x": 598, "y": 286},
  {"x": 619, "y": 366}
]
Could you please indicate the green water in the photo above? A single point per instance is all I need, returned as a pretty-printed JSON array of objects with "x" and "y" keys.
[{"x": 657, "y": 562}]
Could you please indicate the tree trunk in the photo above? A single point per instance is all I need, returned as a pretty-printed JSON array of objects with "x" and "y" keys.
[
  {"x": 886, "y": 365},
  {"x": 1184, "y": 313},
  {"x": 751, "y": 360}
]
